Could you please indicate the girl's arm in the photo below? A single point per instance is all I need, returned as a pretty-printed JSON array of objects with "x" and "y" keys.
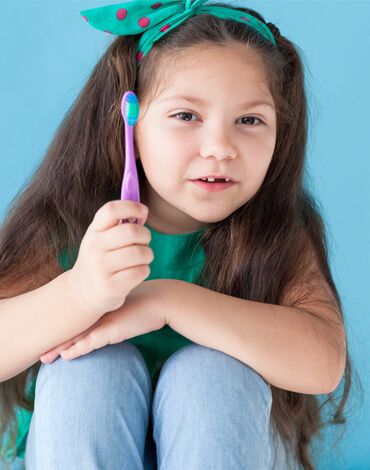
[
  {"x": 36, "y": 321},
  {"x": 290, "y": 348}
]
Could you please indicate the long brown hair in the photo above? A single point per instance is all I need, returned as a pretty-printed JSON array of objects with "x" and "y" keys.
[{"x": 265, "y": 240}]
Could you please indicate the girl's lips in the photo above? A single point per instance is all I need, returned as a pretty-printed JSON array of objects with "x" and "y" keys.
[{"x": 212, "y": 187}]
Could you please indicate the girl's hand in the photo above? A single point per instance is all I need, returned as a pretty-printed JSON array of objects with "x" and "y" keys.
[
  {"x": 141, "y": 313},
  {"x": 113, "y": 258}
]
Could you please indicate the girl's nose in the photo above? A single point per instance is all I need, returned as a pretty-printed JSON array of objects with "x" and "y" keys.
[{"x": 217, "y": 142}]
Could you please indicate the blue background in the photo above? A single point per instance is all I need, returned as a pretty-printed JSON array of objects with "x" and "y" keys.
[{"x": 47, "y": 52}]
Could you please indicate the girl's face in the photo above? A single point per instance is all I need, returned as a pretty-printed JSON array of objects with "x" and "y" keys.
[{"x": 219, "y": 129}]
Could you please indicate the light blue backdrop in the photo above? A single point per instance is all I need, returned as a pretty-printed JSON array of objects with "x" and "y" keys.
[{"x": 47, "y": 52}]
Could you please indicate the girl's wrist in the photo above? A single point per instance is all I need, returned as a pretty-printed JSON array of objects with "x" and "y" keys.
[{"x": 75, "y": 299}]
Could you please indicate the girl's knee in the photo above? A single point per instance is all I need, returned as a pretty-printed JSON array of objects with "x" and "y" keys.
[
  {"x": 114, "y": 364},
  {"x": 200, "y": 388},
  {"x": 195, "y": 364}
]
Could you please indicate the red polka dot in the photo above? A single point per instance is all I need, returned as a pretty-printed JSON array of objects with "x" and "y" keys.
[
  {"x": 165, "y": 27},
  {"x": 121, "y": 14},
  {"x": 156, "y": 5},
  {"x": 144, "y": 22},
  {"x": 139, "y": 56},
  {"x": 84, "y": 17},
  {"x": 245, "y": 19}
]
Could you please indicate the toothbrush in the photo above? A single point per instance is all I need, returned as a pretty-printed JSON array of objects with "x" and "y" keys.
[{"x": 130, "y": 183}]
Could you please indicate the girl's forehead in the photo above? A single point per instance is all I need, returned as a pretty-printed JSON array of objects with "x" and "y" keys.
[
  {"x": 201, "y": 71},
  {"x": 202, "y": 90},
  {"x": 212, "y": 64}
]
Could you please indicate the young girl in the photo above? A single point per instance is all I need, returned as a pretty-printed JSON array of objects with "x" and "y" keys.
[{"x": 200, "y": 336}]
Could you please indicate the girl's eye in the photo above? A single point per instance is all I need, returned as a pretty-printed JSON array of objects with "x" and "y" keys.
[
  {"x": 253, "y": 117},
  {"x": 184, "y": 114},
  {"x": 191, "y": 114}
]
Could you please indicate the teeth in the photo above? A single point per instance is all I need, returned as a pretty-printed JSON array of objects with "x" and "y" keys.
[{"x": 213, "y": 179}]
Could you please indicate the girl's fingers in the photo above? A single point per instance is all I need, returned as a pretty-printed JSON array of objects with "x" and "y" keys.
[
  {"x": 85, "y": 345},
  {"x": 78, "y": 349},
  {"x": 94, "y": 337},
  {"x": 51, "y": 355}
]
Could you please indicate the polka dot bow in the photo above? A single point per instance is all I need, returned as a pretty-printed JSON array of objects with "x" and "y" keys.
[{"x": 153, "y": 20}]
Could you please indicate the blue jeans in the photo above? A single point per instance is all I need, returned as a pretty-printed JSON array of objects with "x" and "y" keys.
[{"x": 208, "y": 410}]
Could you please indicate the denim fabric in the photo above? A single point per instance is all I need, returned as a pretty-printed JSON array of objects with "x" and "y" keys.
[{"x": 208, "y": 410}]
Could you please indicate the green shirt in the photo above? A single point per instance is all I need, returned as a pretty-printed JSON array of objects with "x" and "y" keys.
[{"x": 176, "y": 256}]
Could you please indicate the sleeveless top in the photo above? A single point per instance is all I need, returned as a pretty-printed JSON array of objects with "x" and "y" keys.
[{"x": 176, "y": 256}]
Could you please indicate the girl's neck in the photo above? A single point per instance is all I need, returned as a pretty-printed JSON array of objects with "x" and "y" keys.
[{"x": 163, "y": 227}]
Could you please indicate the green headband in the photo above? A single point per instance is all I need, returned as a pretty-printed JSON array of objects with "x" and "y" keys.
[{"x": 154, "y": 20}]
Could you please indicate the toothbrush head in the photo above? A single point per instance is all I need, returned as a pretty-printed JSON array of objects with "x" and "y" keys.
[{"x": 130, "y": 108}]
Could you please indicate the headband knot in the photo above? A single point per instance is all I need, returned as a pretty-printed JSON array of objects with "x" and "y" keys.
[{"x": 154, "y": 20}]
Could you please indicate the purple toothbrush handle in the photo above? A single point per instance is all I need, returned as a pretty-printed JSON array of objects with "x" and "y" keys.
[{"x": 130, "y": 183}]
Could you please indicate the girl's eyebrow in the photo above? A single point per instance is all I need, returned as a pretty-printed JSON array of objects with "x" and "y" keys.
[{"x": 195, "y": 100}]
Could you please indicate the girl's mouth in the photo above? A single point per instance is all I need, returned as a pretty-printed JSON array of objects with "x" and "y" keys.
[{"x": 212, "y": 187}]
